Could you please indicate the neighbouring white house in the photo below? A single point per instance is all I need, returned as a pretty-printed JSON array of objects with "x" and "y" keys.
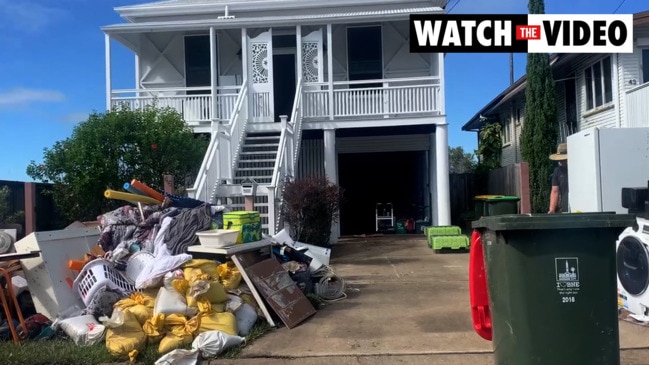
[
  {"x": 292, "y": 88},
  {"x": 593, "y": 90}
]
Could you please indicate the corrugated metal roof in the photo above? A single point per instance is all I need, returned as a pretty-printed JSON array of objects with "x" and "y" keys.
[{"x": 268, "y": 20}]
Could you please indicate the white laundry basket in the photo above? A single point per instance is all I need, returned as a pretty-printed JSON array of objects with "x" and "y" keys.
[{"x": 97, "y": 274}]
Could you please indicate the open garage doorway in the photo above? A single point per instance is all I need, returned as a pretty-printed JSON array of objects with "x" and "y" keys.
[{"x": 380, "y": 177}]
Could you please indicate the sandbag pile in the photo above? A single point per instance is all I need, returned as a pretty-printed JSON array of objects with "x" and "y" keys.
[{"x": 196, "y": 297}]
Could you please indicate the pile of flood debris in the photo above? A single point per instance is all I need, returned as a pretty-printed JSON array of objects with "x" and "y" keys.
[{"x": 164, "y": 271}]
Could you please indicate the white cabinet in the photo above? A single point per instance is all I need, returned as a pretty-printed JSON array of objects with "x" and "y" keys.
[{"x": 48, "y": 276}]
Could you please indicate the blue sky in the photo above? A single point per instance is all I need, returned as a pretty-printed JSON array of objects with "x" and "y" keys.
[{"x": 52, "y": 69}]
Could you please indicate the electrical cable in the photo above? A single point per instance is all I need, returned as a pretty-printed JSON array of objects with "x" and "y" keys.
[
  {"x": 454, "y": 5},
  {"x": 619, "y": 6}
]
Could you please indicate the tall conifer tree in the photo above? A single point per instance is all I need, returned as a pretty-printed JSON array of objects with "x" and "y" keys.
[{"x": 540, "y": 129}]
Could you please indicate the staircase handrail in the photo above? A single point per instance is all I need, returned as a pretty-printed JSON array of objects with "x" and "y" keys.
[
  {"x": 213, "y": 149},
  {"x": 281, "y": 159},
  {"x": 297, "y": 118},
  {"x": 238, "y": 130}
]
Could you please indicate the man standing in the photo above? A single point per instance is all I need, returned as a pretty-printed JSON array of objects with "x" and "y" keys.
[{"x": 559, "y": 192}]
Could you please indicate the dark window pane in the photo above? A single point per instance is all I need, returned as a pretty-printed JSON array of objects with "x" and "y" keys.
[
  {"x": 589, "y": 87},
  {"x": 197, "y": 61},
  {"x": 597, "y": 76},
  {"x": 365, "y": 54},
  {"x": 284, "y": 41},
  {"x": 608, "y": 81}
]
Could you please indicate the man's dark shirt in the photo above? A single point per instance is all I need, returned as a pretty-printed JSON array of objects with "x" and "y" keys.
[{"x": 560, "y": 179}]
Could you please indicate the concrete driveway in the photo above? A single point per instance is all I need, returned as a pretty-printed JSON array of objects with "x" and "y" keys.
[{"x": 404, "y": 301}]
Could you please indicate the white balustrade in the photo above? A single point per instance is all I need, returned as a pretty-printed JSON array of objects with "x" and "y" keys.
[
  {"x": 193, "y": 103},
  {"x": 372, "y": 98}
]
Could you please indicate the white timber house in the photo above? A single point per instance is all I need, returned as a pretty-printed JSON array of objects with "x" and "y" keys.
[
  {"x": 593, "y": 90},
  {"x": 295, "y": 88}
]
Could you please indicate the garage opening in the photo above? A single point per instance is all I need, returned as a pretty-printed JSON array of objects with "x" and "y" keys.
[{"x": 380, "y": 177}]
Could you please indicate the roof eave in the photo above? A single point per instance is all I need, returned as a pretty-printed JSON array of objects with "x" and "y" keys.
[
  {"x": 487, "y": 109},
  {"x": 250, "y": 22},
  {"x": 148, "y": 10},
  {"x": 641, "y": 18}
]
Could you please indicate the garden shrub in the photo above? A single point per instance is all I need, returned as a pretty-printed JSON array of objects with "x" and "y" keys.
[{"x": 310, "y": 206}]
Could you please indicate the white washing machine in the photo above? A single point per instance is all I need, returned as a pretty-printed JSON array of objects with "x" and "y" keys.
[{"x": 632, "y": 256}]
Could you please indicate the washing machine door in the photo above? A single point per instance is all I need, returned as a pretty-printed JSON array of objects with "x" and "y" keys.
[{"x": 633, "y": 265}]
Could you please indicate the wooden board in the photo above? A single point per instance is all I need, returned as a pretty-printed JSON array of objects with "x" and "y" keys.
[
  {"x": 243, "y": 261},
  {"x": 281, "y": 292}
]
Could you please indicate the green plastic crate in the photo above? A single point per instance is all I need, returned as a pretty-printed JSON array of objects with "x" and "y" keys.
[
  {"x": 442, "y": 231},
  {"x": 456, "y": 242}
]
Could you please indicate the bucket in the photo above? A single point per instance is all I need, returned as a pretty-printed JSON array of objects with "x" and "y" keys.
[{"x": 136, "y": 264}]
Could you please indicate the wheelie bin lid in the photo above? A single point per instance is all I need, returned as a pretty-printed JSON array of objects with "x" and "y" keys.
[
  {"x": 503, "y": 198},
  {"x": 486, "y": 197},
  {"x": 517, "y": 222}
]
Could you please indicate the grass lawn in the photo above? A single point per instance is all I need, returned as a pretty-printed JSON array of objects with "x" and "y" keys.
[{"x": 64, "y": 351}]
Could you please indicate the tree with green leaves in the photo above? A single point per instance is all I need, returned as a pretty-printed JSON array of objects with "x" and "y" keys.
[
  {"x": 460, "y": 162},
  {"x": 6, "y": 215},
  {"x": 115, "y": 147},
  {"x": 540, "y": 130},
  {"x": 490, "y": 147}
]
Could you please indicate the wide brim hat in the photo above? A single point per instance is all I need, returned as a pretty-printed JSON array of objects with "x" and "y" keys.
[{"x": 562, "y": 153}]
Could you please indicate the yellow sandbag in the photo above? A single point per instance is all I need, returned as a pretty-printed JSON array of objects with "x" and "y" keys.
[
  {"x": 216, "y": 294},
  {"x": 207, "y": 266},
  {"x": 124, "y": 335},
  {"x": 248, "y": 298},
  {"x": 154, "y": 329},
  {"x": 214, "y": 321},
  {"x": 196, "y": 303},
  {"x": 181, "y": 285},
  {"x": 181, "y": 332},
  {"x": 140, "y": 304},
  {"x": 199, "y": 282},
  {"x": 229, "y": 275}
]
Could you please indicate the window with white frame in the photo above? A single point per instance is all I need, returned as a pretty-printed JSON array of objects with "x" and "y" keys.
[
  {"x": 644, "y": 63},
  {"x": 506, "y": 131},
  {"x": 599, "y": 83},
  {"x": 518, "y": 116}
]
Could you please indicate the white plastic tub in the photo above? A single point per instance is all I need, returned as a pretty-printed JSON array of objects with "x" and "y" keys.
[{"x": 218, "y": 238}]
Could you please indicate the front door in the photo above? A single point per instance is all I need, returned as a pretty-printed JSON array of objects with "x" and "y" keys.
[
  {"x": 284, "y": 85},
  {"x": 260, "y": 74}
]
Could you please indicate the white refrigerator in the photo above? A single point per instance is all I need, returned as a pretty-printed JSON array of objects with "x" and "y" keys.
[{"x": 603, "y": 161}]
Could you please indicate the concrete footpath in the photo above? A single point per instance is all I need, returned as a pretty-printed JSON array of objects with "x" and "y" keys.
[
  {"x": 629, "y": 357},
  {"x": 406, "y": 305}
]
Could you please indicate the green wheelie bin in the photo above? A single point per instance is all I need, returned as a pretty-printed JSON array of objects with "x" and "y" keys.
[
  {"x": 552, "y": 287},
  {"x": 488, "y": 205}
]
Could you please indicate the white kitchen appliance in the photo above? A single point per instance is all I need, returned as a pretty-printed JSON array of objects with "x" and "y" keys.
[
  {"x": 632, "y": 254},
  {"x": 601, "y": 161}
]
